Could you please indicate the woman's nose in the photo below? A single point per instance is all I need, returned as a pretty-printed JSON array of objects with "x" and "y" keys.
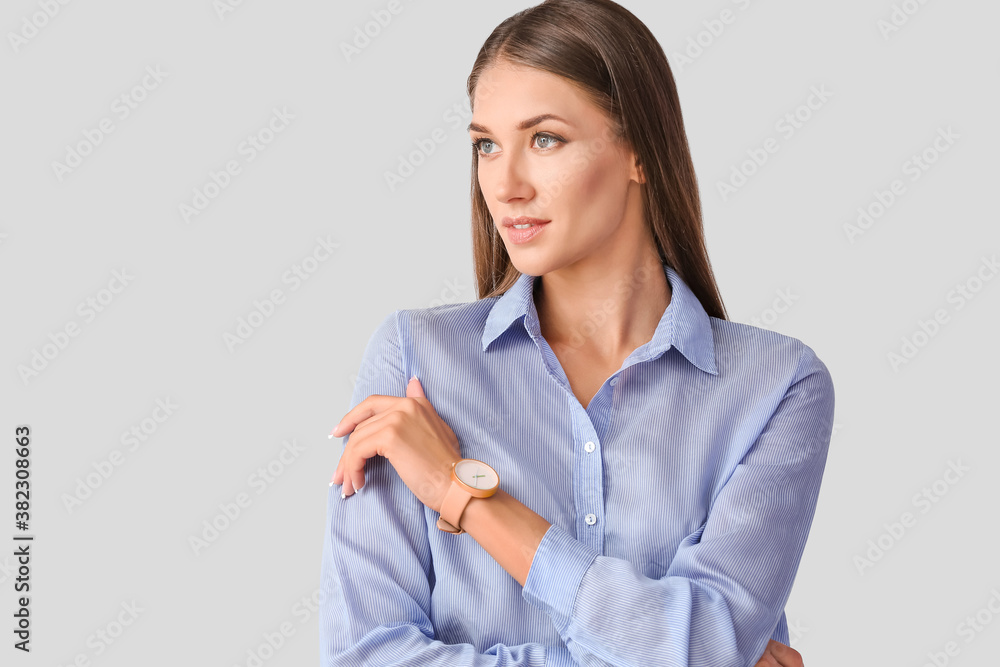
[{"x": 512, "y": 180}]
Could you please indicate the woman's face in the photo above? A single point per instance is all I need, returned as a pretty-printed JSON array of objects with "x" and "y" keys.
[{"x": 571, "y": 173}]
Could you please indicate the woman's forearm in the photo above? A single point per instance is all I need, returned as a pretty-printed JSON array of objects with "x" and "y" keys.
[{"x": 507, "y": 529}]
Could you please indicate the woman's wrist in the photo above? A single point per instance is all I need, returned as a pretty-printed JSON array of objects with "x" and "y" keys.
[{"x": 507, "y": 529}]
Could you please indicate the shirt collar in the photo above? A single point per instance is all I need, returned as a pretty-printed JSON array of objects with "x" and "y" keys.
[{"x": 684, "y": 324}]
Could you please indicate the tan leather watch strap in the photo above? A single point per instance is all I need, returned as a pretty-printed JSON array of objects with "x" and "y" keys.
[{"x": 452, "y": 507}]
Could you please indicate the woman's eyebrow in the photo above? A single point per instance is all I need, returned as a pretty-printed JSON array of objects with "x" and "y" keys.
[{"x": 524, "y": 124}]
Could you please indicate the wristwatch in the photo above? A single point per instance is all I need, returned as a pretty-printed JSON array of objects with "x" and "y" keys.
[{"x": 469, "y": 479}]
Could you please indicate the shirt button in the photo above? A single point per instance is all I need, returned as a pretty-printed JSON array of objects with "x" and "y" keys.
[
  {"x": 589, "y": 447},
  {"x": 591, "y": 519},
  {"x": 614, "y": 381}
]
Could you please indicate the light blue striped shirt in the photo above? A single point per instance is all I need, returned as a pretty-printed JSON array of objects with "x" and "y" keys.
[{"x": 680, "y": 499}]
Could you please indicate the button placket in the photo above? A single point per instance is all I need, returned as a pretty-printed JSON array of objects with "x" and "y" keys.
[
  {"x": 589, "y": 473},
  {"x": 593, "y": 466}
]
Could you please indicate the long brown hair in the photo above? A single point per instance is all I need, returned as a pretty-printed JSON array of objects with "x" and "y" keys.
[{"x": 614, "y": 58}]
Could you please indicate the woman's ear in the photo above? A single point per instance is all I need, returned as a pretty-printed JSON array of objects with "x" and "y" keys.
[{"x": 638, "y": 173}]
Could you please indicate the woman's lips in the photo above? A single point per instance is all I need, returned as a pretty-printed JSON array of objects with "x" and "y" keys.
[{"x": 519, "y": 236}]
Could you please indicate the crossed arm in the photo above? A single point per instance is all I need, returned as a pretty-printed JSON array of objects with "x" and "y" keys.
[{"x": 717, "y": 605}]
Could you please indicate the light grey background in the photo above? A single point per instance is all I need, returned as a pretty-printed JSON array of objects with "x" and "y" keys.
[{"x": 323, "y": 177}]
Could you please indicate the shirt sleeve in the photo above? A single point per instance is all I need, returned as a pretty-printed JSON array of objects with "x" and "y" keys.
[
  {"x": 377, "y": 572},
  {"x": 724, "y": 593}
]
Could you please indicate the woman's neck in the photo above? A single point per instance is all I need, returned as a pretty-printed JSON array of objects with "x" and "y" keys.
[{"x": 608, "y": 313}]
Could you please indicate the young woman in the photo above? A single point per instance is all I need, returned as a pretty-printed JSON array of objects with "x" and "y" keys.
[{"x": 589, "y": 464}]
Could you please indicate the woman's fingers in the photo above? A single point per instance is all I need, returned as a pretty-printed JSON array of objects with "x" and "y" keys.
[
  {"x": 357, "y": 476},
  {"x": 347, "y": 477},
  {"x": 353, "y": 479},
  {"x": 361, "y": 446},
  {"x": 785, "y": 656},
  {"x": 373, "y": 405},
  {"x": 409, "y": 434},
  {"x": 767, "y": 659}
]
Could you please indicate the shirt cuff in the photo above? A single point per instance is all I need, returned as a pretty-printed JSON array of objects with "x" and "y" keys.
[{"x": 555, "y": 574}]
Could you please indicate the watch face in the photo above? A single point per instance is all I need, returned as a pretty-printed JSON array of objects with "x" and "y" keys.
[{"x": 476, "y": 474}]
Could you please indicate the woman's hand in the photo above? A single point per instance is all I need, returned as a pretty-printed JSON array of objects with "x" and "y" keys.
[
  {"x": 423, "y": 449},
  {"x": 777, "y": 654},
  {"x": 407, "y": 431}
]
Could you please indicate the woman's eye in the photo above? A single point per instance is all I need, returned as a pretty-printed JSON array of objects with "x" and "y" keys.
[
  {"x": 481, "y": 143},
  {"x": 544, "y": 137}
]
